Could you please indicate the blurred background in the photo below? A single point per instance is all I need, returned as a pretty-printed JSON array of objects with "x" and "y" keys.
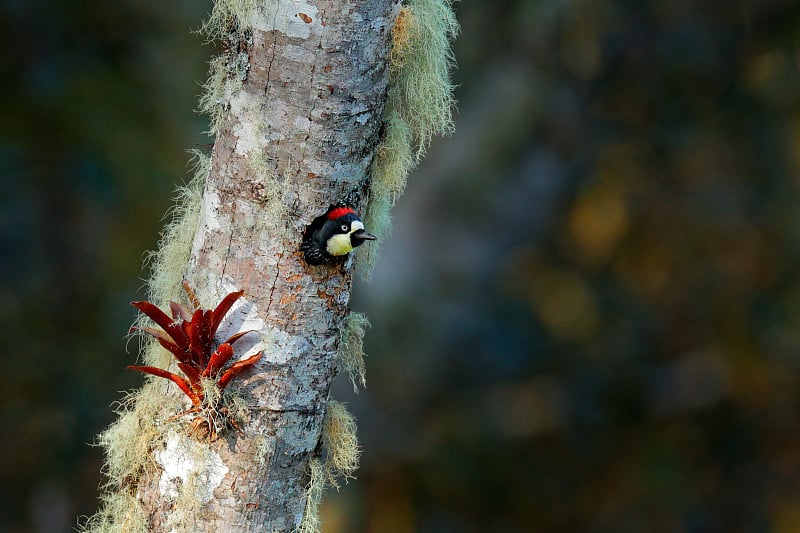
[{"x": 587, "y": 318}]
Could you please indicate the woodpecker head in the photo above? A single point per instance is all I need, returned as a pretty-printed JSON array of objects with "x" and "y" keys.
[{"x": 335, "y": 234}]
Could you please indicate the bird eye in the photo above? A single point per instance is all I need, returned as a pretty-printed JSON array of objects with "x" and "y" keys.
[{"x": 345, "y": 227}]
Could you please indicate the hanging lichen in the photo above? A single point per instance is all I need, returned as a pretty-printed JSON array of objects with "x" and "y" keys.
[
  {"x": 420, "y": 88},
  {"x": 420, "y": 105},
  {"x": 351, "y": 348},
  {"x": 339, "y": 460}
]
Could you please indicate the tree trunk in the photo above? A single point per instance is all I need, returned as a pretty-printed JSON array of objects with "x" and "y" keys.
[{"x": 297, "y": 136}]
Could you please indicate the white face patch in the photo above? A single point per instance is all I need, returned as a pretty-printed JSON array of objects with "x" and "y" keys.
[{"x": 340, "y": 244}]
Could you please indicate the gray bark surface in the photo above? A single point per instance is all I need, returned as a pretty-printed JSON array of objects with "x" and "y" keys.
[{"x": 299, "y": 136}]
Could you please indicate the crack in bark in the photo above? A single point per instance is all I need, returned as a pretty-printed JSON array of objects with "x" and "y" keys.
[
  {"x": 230, "y": 243},
  {"x": 271, "y": 59},
  {"x": 274, "y": 281}
]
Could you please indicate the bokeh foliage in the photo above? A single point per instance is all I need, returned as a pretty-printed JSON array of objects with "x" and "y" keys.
[
  {"x": 97, "y": 116},
  {"x": 586, "y": 318}
]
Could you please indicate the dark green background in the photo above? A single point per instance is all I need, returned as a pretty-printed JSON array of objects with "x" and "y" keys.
[{"x": 587, "y": 318}]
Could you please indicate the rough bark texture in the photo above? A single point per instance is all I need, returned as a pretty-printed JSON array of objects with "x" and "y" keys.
[{"x": 298, "y": 136}]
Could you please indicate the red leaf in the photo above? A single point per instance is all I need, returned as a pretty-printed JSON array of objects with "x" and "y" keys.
[
  {"x": 236, "y": 369},
  {"x": 167, "y": 324},
  {"x": 166, "y": 341},
  {"x": 199, "y": 338},
  {"x": 193, "y": 374},
  {"x": 222, "y": 309},
  {"x": 157, "y": 333},
  {"x": 181, "y": 355},
  {"x": 218, "y": 360},
  {"x": 238, "y": 336},
  {"x": 179, "y": 381}
]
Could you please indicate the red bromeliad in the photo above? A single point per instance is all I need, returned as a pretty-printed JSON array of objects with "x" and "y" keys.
[{"x": 189, "y": 336}]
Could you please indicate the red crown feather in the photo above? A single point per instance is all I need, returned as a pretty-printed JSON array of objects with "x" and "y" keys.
[{"x": 339, "y": 212}]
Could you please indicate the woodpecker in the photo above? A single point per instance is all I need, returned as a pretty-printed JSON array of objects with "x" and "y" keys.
[{"x": 334, "y": 234}]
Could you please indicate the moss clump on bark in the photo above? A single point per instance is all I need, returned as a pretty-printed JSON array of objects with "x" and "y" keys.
[
  {"x": 229, "y": 17},
  {"x": 213, "y": 99},
  {"x": 226, "y": 76},
  {"x": 314, "y": 491},
  {"x": 127, "y": 443},
  {"x": 119, "y": 513},
  {"x": 393, "y": 161},
  {"x": 228, "y": 23}
]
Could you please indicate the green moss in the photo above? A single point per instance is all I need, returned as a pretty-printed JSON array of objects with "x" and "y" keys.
[
  {"x": 394, "y": 157},
  {"x": 226, "y": 76},
  {"x": 263, "y": 448},
  {"x": 228, "y": 23},
  {"x": 420, "y": 105},
  {"x": 129, "y": 439},
  {"x": 168, "y": 264},
  {"x": 351, "y": 348}
]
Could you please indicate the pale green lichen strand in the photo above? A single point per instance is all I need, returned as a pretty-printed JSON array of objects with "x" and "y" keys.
[
  {"x": 226, "y": 76},
  {"x": 119, "y": 513},
  {"x": 351, "y": 348},
  {"x": 213, "y": 99},
  {"x": 339, "y": 440},
  {"x": 229, "y": 22},
  {"x": 315, "y": 489}
]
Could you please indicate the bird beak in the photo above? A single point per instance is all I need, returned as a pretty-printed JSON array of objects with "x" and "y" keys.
[{"x": 359, "y": 236}]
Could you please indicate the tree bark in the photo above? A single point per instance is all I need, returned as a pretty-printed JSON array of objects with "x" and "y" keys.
[{"x": 299, "y": 135}]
